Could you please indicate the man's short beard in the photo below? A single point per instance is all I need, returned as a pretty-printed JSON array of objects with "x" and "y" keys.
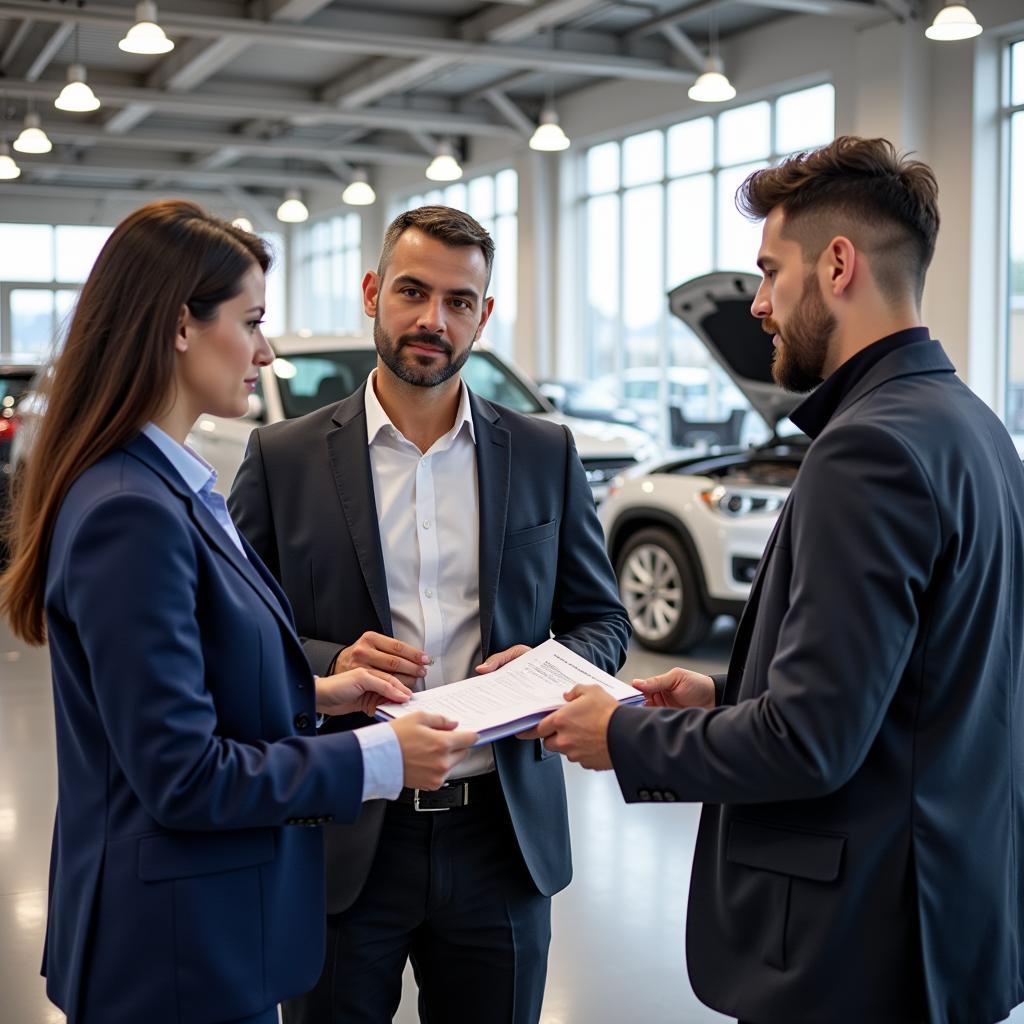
[
  {"x": 798, "y": 363},
  {"x": 420, "y": 371}
]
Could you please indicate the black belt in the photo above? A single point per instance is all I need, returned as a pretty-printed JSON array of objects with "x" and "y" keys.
[{"x": 477, "y": 789}]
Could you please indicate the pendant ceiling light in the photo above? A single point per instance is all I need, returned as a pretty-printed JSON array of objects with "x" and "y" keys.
[
  {"x": 444, "y": 166},
  {"x": 243, "y": 224},
  {"x": 293, "y": 209},
  {"x": 32, "y": 138},
  {"x": 549, "y": 137},
  {"x": 76, "y": 96},
  {"x": 145, "y": 36},
  {"x": 8, "y": 168},
  {"x": 359, "y": 192},
  {"x": 712, "y": 86},
  {"x": 953, "y": 22}
]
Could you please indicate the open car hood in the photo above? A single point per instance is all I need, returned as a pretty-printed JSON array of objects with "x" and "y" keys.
[{"x": 716, "y": 307}]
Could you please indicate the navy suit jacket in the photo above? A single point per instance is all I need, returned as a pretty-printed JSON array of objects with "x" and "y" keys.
[
  {"x": 304, "y": 498},
  {"x": 183, "y": 887},
  {"x": 861, "y": 849}
]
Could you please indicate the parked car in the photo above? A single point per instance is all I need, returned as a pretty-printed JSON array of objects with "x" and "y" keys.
[
  {"x": 313, "y": 371},
  {"x": 15, "y": 381},
  {"x": 686, "y": 536},
  {"x": 588, "y": 400}
]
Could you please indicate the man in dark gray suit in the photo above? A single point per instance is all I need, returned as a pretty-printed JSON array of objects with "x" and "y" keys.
[
  {"x": 861, "y": 850},
  {"x": 422, "y": 531}
]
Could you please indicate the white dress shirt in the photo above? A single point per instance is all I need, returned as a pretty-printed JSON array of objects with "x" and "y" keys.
[
  {"x": 428, "y": 511},
  {"x": 378, "y": 743}
]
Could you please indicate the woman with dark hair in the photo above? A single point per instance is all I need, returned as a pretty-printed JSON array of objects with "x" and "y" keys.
[{"x": 185, "y": 883}]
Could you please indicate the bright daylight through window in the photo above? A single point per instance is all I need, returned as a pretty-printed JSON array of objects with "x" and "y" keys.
[{"x": 683, "y": 179}]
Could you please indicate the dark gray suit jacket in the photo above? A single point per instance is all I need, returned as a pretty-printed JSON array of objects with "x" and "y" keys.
[
  {"x": 304, "y": 499},
  {"x": 861, "y": 852}
]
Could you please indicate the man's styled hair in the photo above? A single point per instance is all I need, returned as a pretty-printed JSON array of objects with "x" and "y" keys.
[
  {"x": 453, "y": 227},
  {"x": 885, "y": 203}
]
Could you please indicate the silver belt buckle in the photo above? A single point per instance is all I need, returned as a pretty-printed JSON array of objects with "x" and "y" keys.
[{"x": 435, "y": 810}]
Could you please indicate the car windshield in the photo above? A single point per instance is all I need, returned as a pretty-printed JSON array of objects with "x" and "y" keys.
[{"x": 311, "y": 380}]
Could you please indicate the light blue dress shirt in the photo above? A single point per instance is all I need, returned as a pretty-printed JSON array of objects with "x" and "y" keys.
[{"x": 382, "y": 753}]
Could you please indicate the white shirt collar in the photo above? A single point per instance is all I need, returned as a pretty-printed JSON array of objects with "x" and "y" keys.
[
  {"x": 192, "y": 468},
  {"x": 377, "y": 419}
]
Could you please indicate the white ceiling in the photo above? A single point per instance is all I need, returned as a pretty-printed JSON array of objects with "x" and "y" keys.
[{"x": 260, "y": 95}]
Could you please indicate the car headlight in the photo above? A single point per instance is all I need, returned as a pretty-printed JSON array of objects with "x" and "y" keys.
[{"x": 740, "y": 501}]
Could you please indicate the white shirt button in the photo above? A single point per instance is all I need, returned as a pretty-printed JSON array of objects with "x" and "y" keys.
[
  {"x": 426, "y": 524},
  {"x": 428, "y": 592}
]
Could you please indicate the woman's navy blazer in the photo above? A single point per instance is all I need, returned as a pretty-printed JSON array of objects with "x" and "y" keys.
[{"x": 186, "y": 884}]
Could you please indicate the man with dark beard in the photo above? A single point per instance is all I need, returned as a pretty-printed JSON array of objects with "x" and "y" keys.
[
  {"x": 859, "y": 853},
  {"x": 422, "y": 531}
]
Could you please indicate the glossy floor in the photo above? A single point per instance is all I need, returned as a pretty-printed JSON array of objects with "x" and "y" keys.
[{"x": 617, "y": 950}]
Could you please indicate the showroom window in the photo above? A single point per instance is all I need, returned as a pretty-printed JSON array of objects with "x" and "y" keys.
[
  {"x": 329, "y": 274},
  {"x": 1015, "y": 248},
  {"x": 657, "y": 209},
  {"x": 493, "y": 199},
  {"x": 42, "y": 267}
]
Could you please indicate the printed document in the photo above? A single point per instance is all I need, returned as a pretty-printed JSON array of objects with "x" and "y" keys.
[{"x": 514, "y": 697}]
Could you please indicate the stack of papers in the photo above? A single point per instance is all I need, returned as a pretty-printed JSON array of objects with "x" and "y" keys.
[{"x": 514, "y": 697}]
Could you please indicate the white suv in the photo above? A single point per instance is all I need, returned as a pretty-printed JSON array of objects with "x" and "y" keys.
[
  {"x": 685, "y": 537},
  {"x": 313, "y": 371}
]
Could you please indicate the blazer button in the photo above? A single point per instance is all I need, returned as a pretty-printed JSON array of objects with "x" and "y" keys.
[
  {"x": 657, "y": 796},
  {"x": 670, "y": 797},
  {"x": 302, "y": 721},
  {"x": 644, "y": 794}
]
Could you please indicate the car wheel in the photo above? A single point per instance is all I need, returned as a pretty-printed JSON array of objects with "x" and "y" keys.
[{"x": 659, "y": 588}]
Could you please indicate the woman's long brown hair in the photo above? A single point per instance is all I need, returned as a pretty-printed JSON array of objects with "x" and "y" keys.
[{"x": 115, "y": 372}]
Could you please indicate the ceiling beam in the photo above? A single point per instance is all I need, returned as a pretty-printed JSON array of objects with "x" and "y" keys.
[
  {"x": 212, "y": 178},
  {"x": 379, "y": 78},
  {"x": 14, "y": 43},
  {"x": 242, "y": 145},
  {"x": 194, "y": 62},
  {"x": 510, "y": 111},
  {"x": 839, "y": 8},
  {"x": 48, "y": 51},
  {"x": 254, "y": 105},
  {"x": 366, "y": 42},
  {"x": 685, "y": 46},
  {"x": 292, "y": 10},
  {"x": 500, "y": 26},
  {"x": 125, "y": 119}
]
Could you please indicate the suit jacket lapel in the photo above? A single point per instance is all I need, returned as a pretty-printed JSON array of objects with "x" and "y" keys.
[
  {"x": 349, "y": 455},
  {"x": 144, "y": 450},
  {"x": 493, "y": 462}
]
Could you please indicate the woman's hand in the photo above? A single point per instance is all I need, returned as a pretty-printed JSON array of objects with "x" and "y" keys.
[{"x": 358, "y": 689}]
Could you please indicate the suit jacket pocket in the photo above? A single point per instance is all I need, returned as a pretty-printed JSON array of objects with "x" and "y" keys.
[
  {"x": 531, "y": 535},
  {"x": 186, "y": 856},
  {"x": 813, "y": 855}
]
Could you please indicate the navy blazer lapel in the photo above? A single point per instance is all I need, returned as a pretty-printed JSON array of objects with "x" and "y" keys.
[
  {"x": 349, "y": 453},
  {"x": 145, "y": 451},
  {"x": 493, "y": 463}
]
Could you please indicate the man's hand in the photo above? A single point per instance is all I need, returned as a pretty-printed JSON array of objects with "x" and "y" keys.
[
  {"x": 677, "y": 688},
  {"x": 358, "y": 689},
  {"x": 580, "y": 729},
  {"x": 386, "y": 654},
  {"x": 431, "y": 748},
  {"x": 502, "y": 658}
]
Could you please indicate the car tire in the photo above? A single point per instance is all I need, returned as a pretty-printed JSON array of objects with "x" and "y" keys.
[{"x": 660, "y": 589}]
